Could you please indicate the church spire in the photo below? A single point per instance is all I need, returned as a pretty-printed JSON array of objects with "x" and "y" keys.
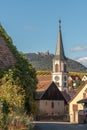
[
  {"x": 60, "y": 75},
  {"x": 59, "y": 48}
]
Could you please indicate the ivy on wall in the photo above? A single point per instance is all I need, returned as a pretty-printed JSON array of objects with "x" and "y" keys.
[{"x": 22, "y": 75}]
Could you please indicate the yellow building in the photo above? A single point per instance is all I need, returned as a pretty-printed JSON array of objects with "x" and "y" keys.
[{"x": 76, "y": 107}]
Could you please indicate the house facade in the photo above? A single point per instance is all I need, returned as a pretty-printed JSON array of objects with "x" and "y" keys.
[
  {"x": 76, "y": 108},
  {"x": 51, "y": 101}
]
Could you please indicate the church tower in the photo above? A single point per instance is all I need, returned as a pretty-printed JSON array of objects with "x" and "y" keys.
[{"x": 60, "y": 75}]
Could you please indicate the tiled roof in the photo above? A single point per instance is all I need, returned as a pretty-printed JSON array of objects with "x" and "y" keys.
[
  {"x": 56, "y": 95},
  {"x": 39, "y": 94},
  {"x": 66, "y": 96},
  {"x": 43, "y": 82}
]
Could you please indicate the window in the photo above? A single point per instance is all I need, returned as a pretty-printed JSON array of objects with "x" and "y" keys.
[
  {"x": 56, "y": 68},
  {"x": 46, "y": 103},
  {"x": 65, "y": 84},
  {"x": 75, "y": 107},
  {"x": 65, "y": 78},
  {"x": 52, "y": 105},
  {"x": 64, "y": 67}
]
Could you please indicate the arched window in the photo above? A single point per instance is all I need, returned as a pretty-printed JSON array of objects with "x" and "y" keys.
[{"x": 56, "y": 68}]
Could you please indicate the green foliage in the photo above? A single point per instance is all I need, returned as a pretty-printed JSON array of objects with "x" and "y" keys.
[
  {"x": 27, "y": 79},
  {"x": 23, "y": 73},
  {"x": 4, "y": 110},
  {"x": 11, "y": 92},
  {"x": 17, "y": 84}
]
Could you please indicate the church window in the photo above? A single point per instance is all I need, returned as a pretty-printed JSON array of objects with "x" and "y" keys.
[
  {"x": 56, "y": 68},
  {"x": 65, "y": 84},
  {"x": 64, "y": 67},
  {"x": 65, "y": 78},
  {"x": 52, "y": 105}
]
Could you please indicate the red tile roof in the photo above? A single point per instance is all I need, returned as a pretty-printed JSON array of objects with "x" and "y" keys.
[{"x": 43, "y": 82}]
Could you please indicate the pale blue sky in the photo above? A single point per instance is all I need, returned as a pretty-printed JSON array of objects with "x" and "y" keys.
[{"x": 33, "y": 25}]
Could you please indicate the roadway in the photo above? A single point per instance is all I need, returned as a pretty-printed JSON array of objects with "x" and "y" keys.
[{"x": 59, "y": 126}]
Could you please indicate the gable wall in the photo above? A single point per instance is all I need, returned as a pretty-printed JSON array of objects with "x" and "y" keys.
[
  {"x": 74, "y": 107},
  {"x": 51, "y": 107}
]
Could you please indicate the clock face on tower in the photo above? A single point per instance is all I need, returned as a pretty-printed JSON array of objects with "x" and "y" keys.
[{"x": 56, "y": 78}]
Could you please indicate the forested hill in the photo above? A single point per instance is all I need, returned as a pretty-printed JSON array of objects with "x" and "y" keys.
[{"x": 43, "y": 61}]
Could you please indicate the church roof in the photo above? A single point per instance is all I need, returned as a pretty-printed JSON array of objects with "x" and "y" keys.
[
  {"x": 59, "y": 55},
  {"x": 51, "y": 93},
  {"x": 43, "y": 84}
]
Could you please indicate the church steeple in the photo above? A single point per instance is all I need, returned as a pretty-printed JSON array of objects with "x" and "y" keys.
[
  {"x": 60, "y": 75},
  {"x": 59, "y": 54}
]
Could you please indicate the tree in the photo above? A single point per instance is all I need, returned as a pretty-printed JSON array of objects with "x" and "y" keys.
[
  {"x": 12, "y": 97},
  {"x": 17, "y": 83},
  {"x": 27, "y": 80},
  {"x": 24, "y": 73}
]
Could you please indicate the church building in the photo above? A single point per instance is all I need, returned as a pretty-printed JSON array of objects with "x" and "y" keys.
[
  {"x": 60, "y": 75},
  {"x": 52, "y": 95}
]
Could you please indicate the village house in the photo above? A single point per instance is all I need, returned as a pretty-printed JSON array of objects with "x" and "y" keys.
[
  {"x": 78, "y": 105},
  {"x": 51, "y": 102}
]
